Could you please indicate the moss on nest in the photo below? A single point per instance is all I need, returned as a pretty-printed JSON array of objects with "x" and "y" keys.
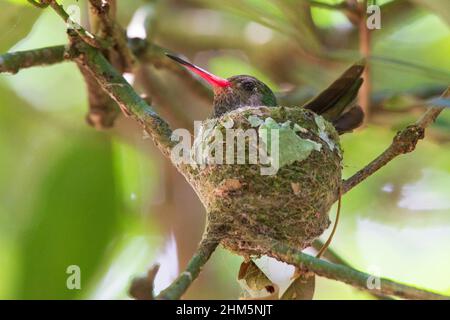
[{"x": 290, "y": 206}]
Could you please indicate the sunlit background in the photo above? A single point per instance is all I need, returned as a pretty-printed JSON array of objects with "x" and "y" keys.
[{"x": 111, "y": 204}]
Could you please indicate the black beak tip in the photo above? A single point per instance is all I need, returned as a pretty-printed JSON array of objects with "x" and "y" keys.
[
  {"x": 177, "y": 59},
  {"x": 170, "y": 55}
]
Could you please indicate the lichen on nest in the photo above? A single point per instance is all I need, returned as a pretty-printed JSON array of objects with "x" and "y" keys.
[{"x": 248, "y": 207}]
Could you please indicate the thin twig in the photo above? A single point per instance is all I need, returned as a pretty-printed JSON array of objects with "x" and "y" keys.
[
  {"x": 38, "y": 4},
  {"x": 333, "y": 231},
  {"x": 348, "y": 275},
  {"x": 404, "y": 142},
  {"x": 102, "y": 109},
  {"x": 104, "y": 26},
  {"x": 117, "y": 87},
  {"x": 333, "y": 257},
  {"x": 330, "y": 254},
  {"x": 182, "y": 283},
  {"x": 365, "y": 50},
  {"x": 121, "y": 91},
  {"x": 145, "y": 52},
  {"x": 84, "y": 34},
  {"x": 111, "y": 80},
  {"x": 15, "y": 61}
]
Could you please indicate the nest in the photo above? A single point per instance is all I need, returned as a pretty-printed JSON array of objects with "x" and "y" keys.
[{"x": 244, "y": 207}]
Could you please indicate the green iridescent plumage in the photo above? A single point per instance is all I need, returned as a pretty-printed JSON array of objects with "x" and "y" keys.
[{"x": 243, "y": 91}]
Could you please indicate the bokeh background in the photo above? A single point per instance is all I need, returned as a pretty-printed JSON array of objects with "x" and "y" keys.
[{"x": 109, "y": 203}]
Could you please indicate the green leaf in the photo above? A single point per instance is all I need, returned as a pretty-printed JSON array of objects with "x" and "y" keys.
[
  {"x": 19, "y": 2},
  {"x": 73, "y": 220},
  {"x": 438, "y": 7},
  {"x": 15, "y": 23}
]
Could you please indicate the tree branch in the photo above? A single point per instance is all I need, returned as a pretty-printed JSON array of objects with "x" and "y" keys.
[
  {"x": 121, "y": 91},
  {"x": 38, "y": 4},
  {"x": 83, "y": 51},
  {"x": 333, "y": 257},
  {"x": 182, "y": 283},
  {"x": 104, "y": 26},
  {"x": 14, "y": 61},
  {"x": 144, "y": 51},
  {"x": 102, "y": 109},
  {"x": 404, "y": 142},
  {"x": 84, "y": 34},
  {"x": 348, "y": 275}
]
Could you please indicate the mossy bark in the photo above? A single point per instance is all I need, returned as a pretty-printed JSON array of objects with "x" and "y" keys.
[{"x": 245, "y": 208}]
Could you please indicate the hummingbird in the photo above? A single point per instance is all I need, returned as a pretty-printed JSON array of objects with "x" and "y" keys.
[{"x": 336, "y": 103}]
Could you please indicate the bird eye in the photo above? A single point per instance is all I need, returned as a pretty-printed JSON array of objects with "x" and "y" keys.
[{"x": 247, "y": 85}]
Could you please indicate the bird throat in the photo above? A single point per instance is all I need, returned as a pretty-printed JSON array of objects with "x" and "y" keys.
[{"x": 228, "y": 99}]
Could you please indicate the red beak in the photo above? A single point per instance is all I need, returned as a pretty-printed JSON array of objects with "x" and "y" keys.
[{"x": 212, "y": 79}]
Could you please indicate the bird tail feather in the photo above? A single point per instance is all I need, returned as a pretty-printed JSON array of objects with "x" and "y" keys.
[{"x": 340, "y": 96}]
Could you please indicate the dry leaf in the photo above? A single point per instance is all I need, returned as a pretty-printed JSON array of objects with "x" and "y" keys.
[
  {"x": 255, "y": 283},
  {"x": 302, "y": 288},
  {"x": 272, "y": 293},
  {"x": 142, "y": 287}
]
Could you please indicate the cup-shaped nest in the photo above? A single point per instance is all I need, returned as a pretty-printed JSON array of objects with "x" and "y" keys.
[{"x": 284, "y": 194}]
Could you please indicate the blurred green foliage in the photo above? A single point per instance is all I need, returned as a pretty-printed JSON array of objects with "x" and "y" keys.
[
  {"x": 70, "y": 195},
  {"x": 73, "y": 219}
]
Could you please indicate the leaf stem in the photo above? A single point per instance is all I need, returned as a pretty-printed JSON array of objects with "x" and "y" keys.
[{"x": 182, "y": 283}]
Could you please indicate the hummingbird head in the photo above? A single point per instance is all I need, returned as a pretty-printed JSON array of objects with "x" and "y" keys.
[{"x": 234, "y": 92}]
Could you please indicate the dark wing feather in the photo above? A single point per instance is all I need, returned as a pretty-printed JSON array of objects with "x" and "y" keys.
[
  {"x": 350, "y": 120},
  {"x": 339, "y": 95}
]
